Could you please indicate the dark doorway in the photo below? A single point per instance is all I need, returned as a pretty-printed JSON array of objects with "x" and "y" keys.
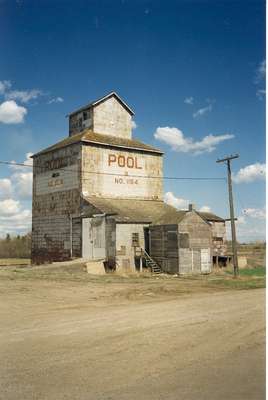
[
  {"x": 137, "y": 263},
  {"x": 146, "y": 240}
]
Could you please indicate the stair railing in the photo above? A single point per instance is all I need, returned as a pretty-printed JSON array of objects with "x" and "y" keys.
[{"x": 148, "y": 258}]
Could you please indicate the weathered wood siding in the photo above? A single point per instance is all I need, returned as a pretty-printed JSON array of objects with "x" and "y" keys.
[
  {"x": 177, "y": 248},
  {"x": 111, "y": 118},
  {"x": 164, "y": 247},
  {"x": 80, "y": 121},
  {"x": 198, "y": 230},
  {"x": 76, "y": 237},
  {"x": 219, "y": 239},
  {"x": 111, "y": 239},
  {"x": 194, "y": 237},
  {"x": 56, "y": 198}
]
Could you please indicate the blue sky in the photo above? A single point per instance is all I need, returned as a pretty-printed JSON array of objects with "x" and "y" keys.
[{"x": 194, "y": 67}]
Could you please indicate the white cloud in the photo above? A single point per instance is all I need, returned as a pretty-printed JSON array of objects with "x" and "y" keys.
[
  {"x": 178, "y": 142},
  {"x": 249, "y": 233},
  {"x": 250, "y": 173},
  {"x": 258, "y": 213},
  {"x": 28, "y": 161},
  {"x": 5, "y": 188},
  {"x": 189, "y": 100},
  {"x": 18, "y": 216},
  {"x": 180, "y": 203},
  {"x": 56, "y": 100},
  {"x": 250, "y": 225},
  {"x": 9, "y": 207},
  {"x": 14, "y": 218},
  {"x": 11, "y": 113},
  {"x": 205, "y": 209},
  {"x": 133, "y": 124},
  {"x": 23, "y": 95},
  {"x": 174, "y": 201},
  {"x": 260, "y": 72},
  {"x": 202, "y": 111},
  {"x": 261, "y": 93},
  {"x": 18, "y": 222},
  {"x": 22, "y": 178},
  {"x": 241, "y": 220},
  {"x": 4, "y": 86},
  {"x": 23, "y": 182}
]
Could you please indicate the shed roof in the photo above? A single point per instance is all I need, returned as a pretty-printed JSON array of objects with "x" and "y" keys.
[
  {"x": 147, "y": 211},
  {"x": 98, "y": 101},
  {"x": 131, "y": 210},
  {"x": 88, "y": 136}
]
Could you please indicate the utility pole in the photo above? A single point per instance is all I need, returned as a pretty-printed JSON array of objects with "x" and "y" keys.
[{"x": 227, "y": 160}]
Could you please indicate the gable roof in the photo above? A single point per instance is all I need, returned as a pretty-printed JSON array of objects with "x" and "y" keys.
[
  {"x": 102, "y": 99},
  {"x": 210, "y": 216},
  {"x": 176, "y": 216},
  {"x": 88, "y": 136}
]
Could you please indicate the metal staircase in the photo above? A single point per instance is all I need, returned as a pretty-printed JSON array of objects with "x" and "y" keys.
[{"x": 150, "y": 263}]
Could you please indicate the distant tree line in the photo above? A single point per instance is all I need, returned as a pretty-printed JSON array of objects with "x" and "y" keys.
[{"x": 16, "y": 246}]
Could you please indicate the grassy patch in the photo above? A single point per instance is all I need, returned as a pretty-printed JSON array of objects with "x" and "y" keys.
[
  {"x": 14, "y": 261},
  {"x": 257, "y": 271},
  {"x": 240, "y": 283},
  {"x": 137, "y": 286}
]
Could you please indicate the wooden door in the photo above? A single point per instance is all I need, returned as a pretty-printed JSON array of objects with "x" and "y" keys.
[
  {"x": 205, "y": 261},
  {"x": 93, "y": 242}
]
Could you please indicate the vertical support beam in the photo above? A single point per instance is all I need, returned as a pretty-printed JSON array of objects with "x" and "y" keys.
[{"x": 71, "y": 236}]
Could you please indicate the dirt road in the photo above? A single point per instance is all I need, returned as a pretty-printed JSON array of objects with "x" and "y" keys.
[{"x": 57, "y": 344}]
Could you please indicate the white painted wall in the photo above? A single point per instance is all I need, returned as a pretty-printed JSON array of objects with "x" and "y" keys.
[{"x": 121, "y": 174}]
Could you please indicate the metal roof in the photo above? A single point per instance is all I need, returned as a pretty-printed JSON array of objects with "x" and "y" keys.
[
  {"x": 88, "y": 136},
  {"x": 96, "y": 102}
]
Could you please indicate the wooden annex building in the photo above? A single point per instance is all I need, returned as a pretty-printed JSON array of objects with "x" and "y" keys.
[{"x": 98, "y": 194}]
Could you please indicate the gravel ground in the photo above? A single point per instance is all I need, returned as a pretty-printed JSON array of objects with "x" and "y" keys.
[{"x": 68, "y": 341}]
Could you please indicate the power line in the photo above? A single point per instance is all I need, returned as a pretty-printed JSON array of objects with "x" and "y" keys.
[{"x": 121, "y": 175}]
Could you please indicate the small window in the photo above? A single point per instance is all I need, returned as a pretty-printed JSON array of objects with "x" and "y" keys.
[
  {"x": 135, "y": 239},
  {"x": 86, "y": 115},
  {"x": 55, "y": 174},
  {"x": 218, "y": 239}
]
